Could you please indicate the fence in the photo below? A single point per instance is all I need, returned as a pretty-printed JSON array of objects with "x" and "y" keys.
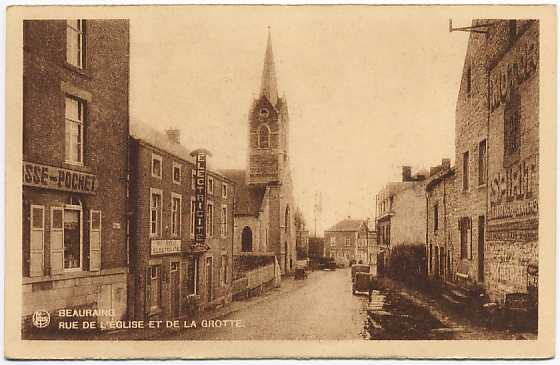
[{"x": 253, "y": 281}]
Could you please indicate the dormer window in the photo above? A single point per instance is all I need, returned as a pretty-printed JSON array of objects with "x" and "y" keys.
[
  {"x": 264, "y": 112},
  {"x": 264, "y": 136}
]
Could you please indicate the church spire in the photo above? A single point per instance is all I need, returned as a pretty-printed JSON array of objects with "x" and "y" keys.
[{"x": 268, "y": 82}]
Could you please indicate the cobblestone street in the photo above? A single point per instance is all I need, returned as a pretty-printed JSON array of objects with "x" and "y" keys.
[{"x": 319, "y": 308}]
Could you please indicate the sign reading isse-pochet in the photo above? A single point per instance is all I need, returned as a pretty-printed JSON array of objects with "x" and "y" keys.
[{"x": 50, "y": 177}]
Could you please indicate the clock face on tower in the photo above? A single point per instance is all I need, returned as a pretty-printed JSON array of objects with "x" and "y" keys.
[{"x": 263, "y": 113}]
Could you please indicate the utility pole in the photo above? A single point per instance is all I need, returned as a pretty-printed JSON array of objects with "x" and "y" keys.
[{"x": 317, "y": 208}]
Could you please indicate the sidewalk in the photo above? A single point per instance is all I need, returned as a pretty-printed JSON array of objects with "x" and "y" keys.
[
  {"x": 288, "y": 284},
  {"x": 462, "y": 326}
]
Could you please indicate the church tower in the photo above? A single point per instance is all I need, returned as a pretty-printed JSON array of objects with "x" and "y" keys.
[{"x": 268, "y": 129}]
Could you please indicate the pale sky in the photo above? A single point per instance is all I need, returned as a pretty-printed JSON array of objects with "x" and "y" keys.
[{"x": 369, "y": 89}]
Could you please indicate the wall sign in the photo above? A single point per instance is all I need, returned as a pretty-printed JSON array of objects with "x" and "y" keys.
[
  {"x": 162, "y": 247},
  {"x": 200, "y": 196},
  {"x": 50, "y": 177}
]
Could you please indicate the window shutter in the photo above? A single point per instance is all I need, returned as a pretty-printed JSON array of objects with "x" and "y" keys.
[
  {"x": 57, "y": 240},
  {"x": 37, "y": 240},
  {"x": 95, "y": 240}
]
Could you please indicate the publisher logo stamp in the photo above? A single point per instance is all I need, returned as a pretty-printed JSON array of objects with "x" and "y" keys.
[{"x": 41, "y": 318}]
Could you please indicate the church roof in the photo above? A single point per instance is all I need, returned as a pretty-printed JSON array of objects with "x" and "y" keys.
[
  {"x": 248, "y": 198},
  {"x": 269, "y": 87},
  {"x": 347, "y": 225}
]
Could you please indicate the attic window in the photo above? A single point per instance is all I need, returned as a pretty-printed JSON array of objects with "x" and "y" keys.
[{"x": 264, "y": 112}]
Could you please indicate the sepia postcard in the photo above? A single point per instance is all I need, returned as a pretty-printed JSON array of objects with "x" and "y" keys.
[{"x": 312, "y": 181}]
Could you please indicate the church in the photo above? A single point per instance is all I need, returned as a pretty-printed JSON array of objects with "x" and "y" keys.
[{"x": 264, "y": 203}]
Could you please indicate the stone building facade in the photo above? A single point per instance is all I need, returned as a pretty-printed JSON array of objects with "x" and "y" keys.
[
  {"x": 75, "y": 132},
  {"x": 173, "y": 277},
  {"x": 264, "y": 202},
  {"x": 513, "y": 159},
  {"x": 443, "y": 250},
  {"x": 347, "y": 242},
  {"x": 497, "y": 158},
  {"x": 401, "y": 212}
]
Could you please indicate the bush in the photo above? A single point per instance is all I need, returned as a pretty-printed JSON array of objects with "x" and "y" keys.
[{"x": 407, "y": 263}]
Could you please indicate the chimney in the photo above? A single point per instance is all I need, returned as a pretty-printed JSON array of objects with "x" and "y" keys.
[
  {"x": 406, "y": 173},
  {"x": 446, "y": 163},
  {"x": 174, "y": 135}
]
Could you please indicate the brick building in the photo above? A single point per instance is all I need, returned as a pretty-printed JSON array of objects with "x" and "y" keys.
[
  {"x": 172, "y": 277},
  {"x": 75, "y": 132},
  {"x": 346, "y": 241},
  {"x": 497, "y": 158},
  {"x": 264, "y": 202},
  {"x": 400, "y": 213}
]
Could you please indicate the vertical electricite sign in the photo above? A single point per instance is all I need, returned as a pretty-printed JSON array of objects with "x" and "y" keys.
[{"x": 200, "y": 196}]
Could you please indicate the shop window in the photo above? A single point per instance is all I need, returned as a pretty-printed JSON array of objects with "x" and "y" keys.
[
  {"x": 210, "y": 219},
  {"x": 157, "y": 166},
  {"x": 37, "y": 241},
  {"x": 155, "y": 212},
  {"x": 74, "y": 130},
  {"x": 153, "y": 283},
  {"x": 175, "y": 214},
  {"x": 72, "y": 237},
  {"x": 223, "y": 221},
  {"x": 75, "y": 42},
  {"x": 176, "y": 173},
  {"x": 482, "y": 162}
]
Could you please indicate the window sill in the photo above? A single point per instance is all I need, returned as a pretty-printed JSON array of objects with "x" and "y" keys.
[
  {"x": 156, "y": 177},
  {"x": 73, "y": 275},
  {"x": 76, "y": 166},
  {"x": 481, "y": 186},
  {"x": 78, "y": 70}
]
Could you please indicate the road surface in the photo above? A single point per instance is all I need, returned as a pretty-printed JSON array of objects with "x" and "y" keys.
[{"x": 321, "y": 307}]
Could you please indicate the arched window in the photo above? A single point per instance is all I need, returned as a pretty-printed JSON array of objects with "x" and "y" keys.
[
  {"x": 264, "y": 136},
  {"x": 246, "y": 240},
  {"x": 287, "y": 221}
]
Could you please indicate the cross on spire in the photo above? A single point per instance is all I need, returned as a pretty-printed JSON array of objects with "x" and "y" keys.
[{"x": 268, "y": 82}]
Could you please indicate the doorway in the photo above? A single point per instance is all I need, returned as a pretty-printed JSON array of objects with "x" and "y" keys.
[
  {"x": 175, "y": 288},
  {"x": 209, "y": 278}
]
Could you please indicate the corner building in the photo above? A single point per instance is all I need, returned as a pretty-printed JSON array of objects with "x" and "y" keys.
[{"x": 75, "y": 131}]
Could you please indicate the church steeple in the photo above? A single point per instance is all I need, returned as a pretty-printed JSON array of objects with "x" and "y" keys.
[{"x": 268, "y": 82}]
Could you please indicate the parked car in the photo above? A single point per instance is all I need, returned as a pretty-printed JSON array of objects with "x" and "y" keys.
[
  {"x": 356, "y": 268},
  {"x": 362, "y": 283},
  {"x": 327, "y": 263}
]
